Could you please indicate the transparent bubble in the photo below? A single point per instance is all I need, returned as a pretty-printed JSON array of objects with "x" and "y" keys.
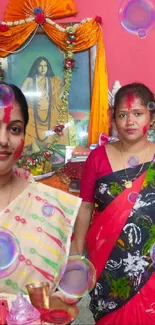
[
  {"x": 132, "y": 197},
  {"x": 48, "y": 210},
  {"x": 152, "y": 254},
  {"x": 151, "y": 106},
  {"x": 9, "y": 252},
  {"x": 137, "y": 16},
  {"x": 77, "y": 276},
  {"x": 6, "y": 96},
  {"x": 133, "y": 161},
  {"x": 142, "y": 33}
]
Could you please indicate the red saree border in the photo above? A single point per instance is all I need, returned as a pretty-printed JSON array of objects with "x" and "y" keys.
[{"x": 107, "y": 225}]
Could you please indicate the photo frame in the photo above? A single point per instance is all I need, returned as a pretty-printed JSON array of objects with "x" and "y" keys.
[{"x": 21, "y": 68}]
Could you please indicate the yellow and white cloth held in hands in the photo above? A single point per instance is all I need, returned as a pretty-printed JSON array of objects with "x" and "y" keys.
[{"x": 35, "y": 235}]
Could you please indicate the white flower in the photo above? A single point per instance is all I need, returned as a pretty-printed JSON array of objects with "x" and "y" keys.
[
  {"x": 112, "y": 305},
  {"x": 135, "y": 266},
  {"x": 102, "y": 188},
  {"x": 10, "y": 23},
  {"x": 106, "y": 305}
]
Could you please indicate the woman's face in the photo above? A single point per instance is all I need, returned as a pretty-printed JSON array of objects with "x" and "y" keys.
[
  {"x": 132, "y": 119},
  {"x": 42, "y": 68},
  {"x": 11, "y": 136}
]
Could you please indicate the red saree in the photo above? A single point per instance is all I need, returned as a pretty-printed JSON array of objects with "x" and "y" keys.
[{"x": 102, "y": 236}]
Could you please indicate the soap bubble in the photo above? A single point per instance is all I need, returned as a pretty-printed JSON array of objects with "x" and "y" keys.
[
  {"x": 152, "y": 254},
  {"x": 77, "y": 276},
  {"x": 132, "y": 197},
  {"x": 48, "y": 210},
  {"x": 142, "y": 33},
  {"x": 151, "y": 106},
  {"x": 133, "y": 161},
  {"x": 6, "y": 96},
  {"x": 137, "y": 16},
  {"x": 9, "y": 252}
]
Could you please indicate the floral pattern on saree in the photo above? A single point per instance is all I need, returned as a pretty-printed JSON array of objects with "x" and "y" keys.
[{"x": 129, "y": 265}]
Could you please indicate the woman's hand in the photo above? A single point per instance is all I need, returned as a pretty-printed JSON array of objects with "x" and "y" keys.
[{"x": 66, "y": 299}]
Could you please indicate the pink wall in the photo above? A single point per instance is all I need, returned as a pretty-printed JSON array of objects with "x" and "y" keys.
[{"x": 128, "y": 57}]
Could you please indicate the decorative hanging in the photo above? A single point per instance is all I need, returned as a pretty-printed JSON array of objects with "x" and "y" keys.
[{"x": 22, "y": 18}]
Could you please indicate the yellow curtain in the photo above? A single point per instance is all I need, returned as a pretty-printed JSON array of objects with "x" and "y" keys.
[{"x": 87, "y": 35}]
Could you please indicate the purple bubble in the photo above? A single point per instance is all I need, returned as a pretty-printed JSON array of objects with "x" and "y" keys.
[
  {"x": 133, "y": 161},
  {"x": 77, "y": 277},
  {"x": 152, "y": 254},
  {"x": 137, "y": 15},
  {"x": 132, "y": 197},
  {"x": 142, "y": 33},
  {"x": 9, "y": 253},
  {"x": 48, "y": 210},
  {"x": 151, "y": 106},
  {"x": 6, "y": 96}
]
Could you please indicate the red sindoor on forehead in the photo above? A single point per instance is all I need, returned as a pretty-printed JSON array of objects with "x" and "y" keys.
[
  {"x": 7, "y": 114},
  {"x": 129, "y": 100}
]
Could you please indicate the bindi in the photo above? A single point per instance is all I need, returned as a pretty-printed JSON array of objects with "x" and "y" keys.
[
  {"x": 19, "y": 150},
  {"x": 7, "y": 114}
]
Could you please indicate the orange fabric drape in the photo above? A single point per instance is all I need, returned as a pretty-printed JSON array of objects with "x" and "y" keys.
[
  {"x": 87, "y": 35},
  {"x": 15, "y": 37},
  {"x": 18, "y": 9}
]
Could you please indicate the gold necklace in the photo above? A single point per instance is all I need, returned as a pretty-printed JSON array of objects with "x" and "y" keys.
[{"x": 128, "y": 182}]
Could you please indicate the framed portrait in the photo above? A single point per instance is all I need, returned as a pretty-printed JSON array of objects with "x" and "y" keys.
[{"x": 38, "y": 70}]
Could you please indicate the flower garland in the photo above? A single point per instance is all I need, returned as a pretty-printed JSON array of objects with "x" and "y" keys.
[
  {"x": 40, "y": 162},
  {"x": 69, "y": 62}
]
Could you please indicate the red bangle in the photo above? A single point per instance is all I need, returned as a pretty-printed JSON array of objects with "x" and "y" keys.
[{"x": 72, "y": 237}]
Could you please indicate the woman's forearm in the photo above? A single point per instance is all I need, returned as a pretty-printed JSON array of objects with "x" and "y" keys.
[{"x": 81, "y": 228}]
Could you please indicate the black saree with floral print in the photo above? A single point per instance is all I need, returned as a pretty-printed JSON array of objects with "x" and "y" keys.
[{"x": 121, "y": 238}]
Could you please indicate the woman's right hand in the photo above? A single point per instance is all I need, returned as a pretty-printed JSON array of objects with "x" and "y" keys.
[{"x": 67, "y": 300}]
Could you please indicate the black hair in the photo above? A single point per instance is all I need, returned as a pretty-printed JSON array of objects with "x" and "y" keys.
[
  {"x": 34, "y": 68},
  {"x": 138, "y": 90},
  {"x": 21, "y": 100}
]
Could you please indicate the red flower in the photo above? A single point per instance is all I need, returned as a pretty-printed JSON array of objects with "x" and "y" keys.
[
  {"x": 30, "y": 161},
  {"x": 98, "y": 19},
  {"x": 3, "y": 27},
  {"x": 71, "y": 41},
  {"x": 40, "y": 19},
  {"x": 59, "y": 128},
  {"x": 47, "y": 154},
  {"x": 69, "y": 63}
]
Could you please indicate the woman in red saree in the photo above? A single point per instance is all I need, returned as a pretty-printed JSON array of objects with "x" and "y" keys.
[{"x": 119, "y": 181}]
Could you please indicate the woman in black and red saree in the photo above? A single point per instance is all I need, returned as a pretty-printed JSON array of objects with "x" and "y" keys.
[{"x": 119, "y": 181}]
